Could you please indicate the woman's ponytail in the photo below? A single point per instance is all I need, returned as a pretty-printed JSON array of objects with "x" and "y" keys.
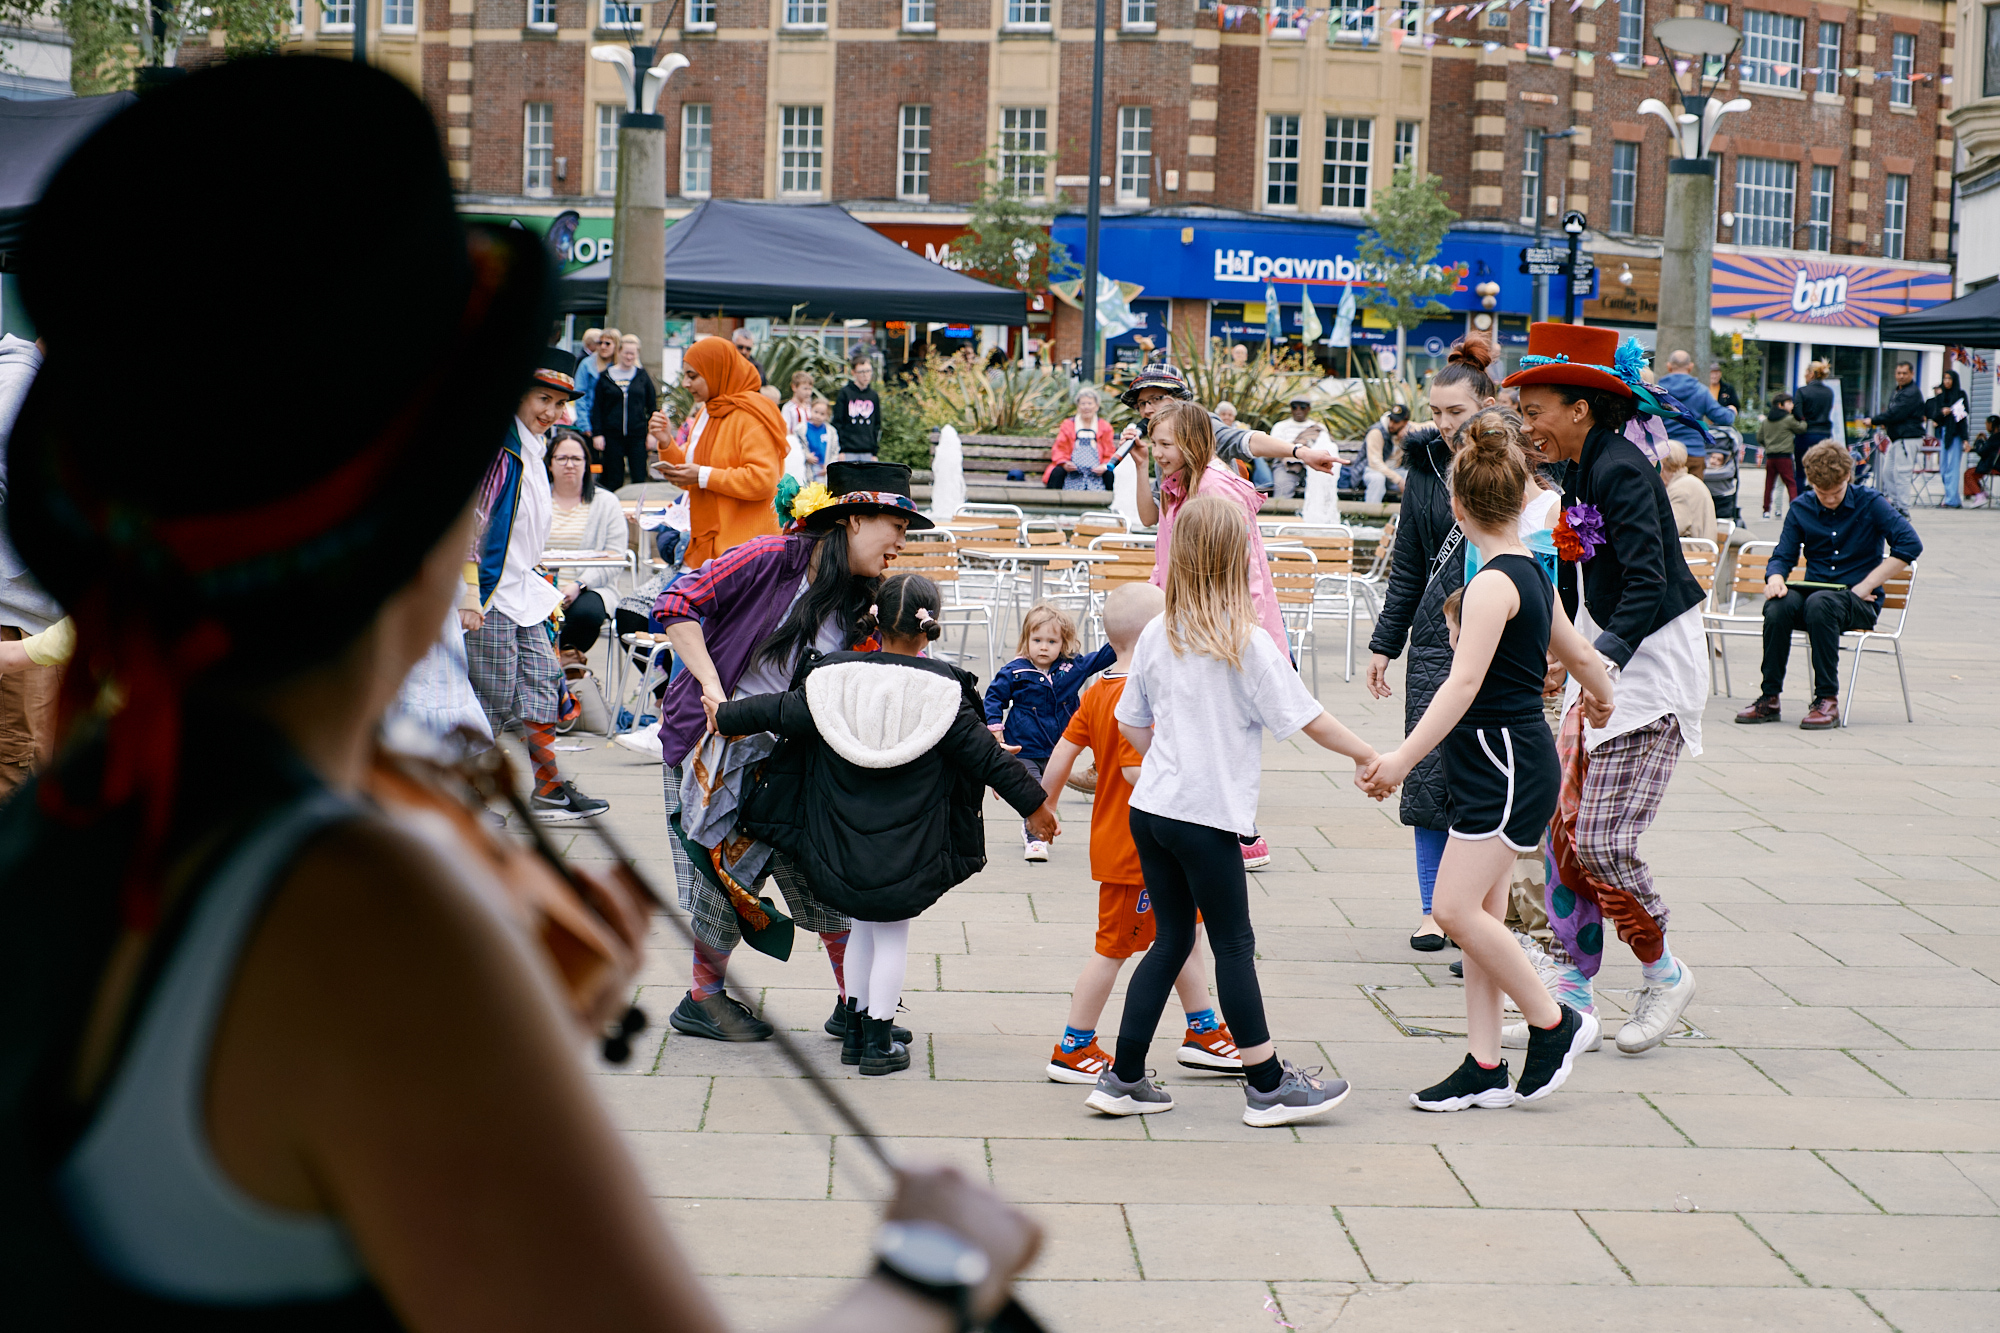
[
  {"x": 1489, "y": 474},
  {"x": 908, "y": 605}
]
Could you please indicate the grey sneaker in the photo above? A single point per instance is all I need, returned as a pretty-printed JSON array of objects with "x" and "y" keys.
[
  {"x": 1654, "y": 1016},
  {"x": 1114, "y": 1096},
  {"x": 1300, "y": 1095}
]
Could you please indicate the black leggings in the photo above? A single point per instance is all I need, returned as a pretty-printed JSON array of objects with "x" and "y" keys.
[{"x": 1190, "y": 866}]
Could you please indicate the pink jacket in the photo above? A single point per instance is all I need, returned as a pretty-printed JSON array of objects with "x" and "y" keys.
[{"x": 1221, "y": 479}]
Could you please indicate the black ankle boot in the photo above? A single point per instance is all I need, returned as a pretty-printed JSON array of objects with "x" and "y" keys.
[
  {"x": 850, "y": 1037},
  {"x": 881, "y": 1053}
]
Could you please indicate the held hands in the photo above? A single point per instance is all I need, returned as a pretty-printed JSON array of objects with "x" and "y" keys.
[
  {"x": 1043, "y": 826},
  {"x": 469, "y": 620},
  {"x": 1554, "y": 677},
  {"x": 1380, "y": 776},
  {"x": 711, "y": 699},
  {"x": 1596, "y": 711}
]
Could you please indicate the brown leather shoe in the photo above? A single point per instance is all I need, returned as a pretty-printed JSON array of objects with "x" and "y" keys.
[
  {"x": 1824, "y": 713},
  {"x": 1764, "y": 710}
]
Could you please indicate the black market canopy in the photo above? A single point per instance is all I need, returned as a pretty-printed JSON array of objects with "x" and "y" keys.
[
  {"x": 1973, "y": 320},
  {"x": 34, "y": 139},
  {"x": 740, "y": 258}
]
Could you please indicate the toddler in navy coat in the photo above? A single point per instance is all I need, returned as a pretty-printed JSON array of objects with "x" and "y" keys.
[{"x": 1034, "y": 696}]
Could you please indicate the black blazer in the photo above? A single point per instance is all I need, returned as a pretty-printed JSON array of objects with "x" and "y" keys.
[{"x": 1637, "y": 581}]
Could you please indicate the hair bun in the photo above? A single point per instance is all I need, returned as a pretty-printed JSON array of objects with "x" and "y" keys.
[{"x": 1471, "y": 350}]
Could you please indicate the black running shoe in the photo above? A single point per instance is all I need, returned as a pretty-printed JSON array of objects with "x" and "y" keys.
[
  {"x": 563, "y": 803},
  {"x": 836, "y": 1025},
  {"x": 1551, "y": 1053},
  {"x": 718, "y": 1018},
  {"x": 1469, "y": 1086}
]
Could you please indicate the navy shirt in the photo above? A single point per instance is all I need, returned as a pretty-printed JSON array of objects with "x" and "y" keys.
[{"x": 1844, "y": 545}]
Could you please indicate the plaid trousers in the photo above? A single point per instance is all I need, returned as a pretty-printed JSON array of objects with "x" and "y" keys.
[
  {"x": 514, "y": 672},
  {"x": 709, "y": 912}
]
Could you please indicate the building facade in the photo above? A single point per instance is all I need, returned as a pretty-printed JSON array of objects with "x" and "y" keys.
[{"x": 1835, "y": 185}]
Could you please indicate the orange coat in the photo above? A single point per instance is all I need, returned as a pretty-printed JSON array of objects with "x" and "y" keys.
[{"x": 743, "y": 445}]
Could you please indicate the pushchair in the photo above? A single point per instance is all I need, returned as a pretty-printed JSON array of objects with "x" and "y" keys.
[{"x": 1724, "y": 472}]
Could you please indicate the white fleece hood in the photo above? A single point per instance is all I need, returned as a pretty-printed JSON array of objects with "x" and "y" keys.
[{"x": 880, "y": 714}]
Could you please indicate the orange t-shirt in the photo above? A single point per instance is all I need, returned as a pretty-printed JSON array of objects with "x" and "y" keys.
[{"x": 1113, "y": 858}]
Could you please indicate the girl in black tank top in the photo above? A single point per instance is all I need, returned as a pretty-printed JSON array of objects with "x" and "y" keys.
[{"x": 1501, "y": 771}]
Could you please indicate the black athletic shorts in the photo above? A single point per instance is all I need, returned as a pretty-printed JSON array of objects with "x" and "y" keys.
[{"x": 1504, "y": 781}]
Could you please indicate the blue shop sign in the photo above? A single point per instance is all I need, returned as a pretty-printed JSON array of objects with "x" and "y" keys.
[{"x": 1234, "y": 259}]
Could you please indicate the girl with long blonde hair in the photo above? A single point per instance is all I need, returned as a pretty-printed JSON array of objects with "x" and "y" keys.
[{"x": 1205, "y": 685}]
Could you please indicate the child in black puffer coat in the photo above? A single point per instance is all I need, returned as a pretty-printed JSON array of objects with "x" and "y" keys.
[{"x": 876, "y": 794}]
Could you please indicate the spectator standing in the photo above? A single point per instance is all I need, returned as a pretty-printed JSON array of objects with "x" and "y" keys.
[
  {"x": 733, "y": 457},
  {"x": 600, "y": 349},
  {"x": 797, "y": 410},
  {"x": 625, "y": 403},
  {"x": 1986, "y": 461},
  {"x": 857, "y": 413},
  {"x": 1814, "y": 406},
  {"x": 1720, "y": 389},
  {"x": 746, "y": 342},
  {"x": 1694, "y": 507},
  {"x": 1901, "y": 418},
  {"x": 1779, "y": 437},
  {"x": 1841, "y": 529},
  {"x": 585, "y": 517},
  {"x": 818, "y": 438},
  {"x": 28, "y": 693},
  {"x": 1947, "y": 410}
]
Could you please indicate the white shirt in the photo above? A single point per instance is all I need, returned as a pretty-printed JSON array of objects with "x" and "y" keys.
[
  {"x": 1208, "y": 721},
  {"x": 1668, "y": 674},
  {"x": 695, "y": 429},
  {"x": 1288, "y": 430},
  {"x": 522, "y": 595}
]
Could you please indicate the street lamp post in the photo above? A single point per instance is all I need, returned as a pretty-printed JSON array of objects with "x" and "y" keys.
[
  {"x": 1688, "y": 250},
  {"x": 1094, "y": 196},
  {"x": 636, "y": 293}
]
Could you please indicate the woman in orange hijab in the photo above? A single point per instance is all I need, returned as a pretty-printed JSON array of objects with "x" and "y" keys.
[{"x": 735, "y": 452}]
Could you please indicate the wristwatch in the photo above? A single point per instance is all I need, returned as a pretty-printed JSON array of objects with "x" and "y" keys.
[{"x": 935, "y": 1263}]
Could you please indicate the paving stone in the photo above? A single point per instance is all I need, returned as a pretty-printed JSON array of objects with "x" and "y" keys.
[
  {"x": 775, "y": 1237},
  {"x": 1932, "y": 1073},
  {"x": 1866, "y": 949},
  {"x": 1813, "y": 1073},
  {"x": 1296, "y": 1242},
  {"x": 1503, "y": 1245},
  {"x": 742, "y": 1166},
  {"x": 1556, "y": 1308},
  {"x": 1922, "y": 1125},
  {"x": 1913, "y": 1182},
  {"x": 1944, "y": 1027},
  {"x": 1937, "y": 1311},
  {"x": 1858, "y": 1251},
  {"x": 1274, "y": 1168},
  {"x": 652, "y": 1103},
  {"x": 1982, "y": 1169},
  {"x": 1867, "y": 987},
  {"x": 1715, "y": 1180},
  {"x": 1690, "y": 1250},
  {"x": 1227, "y": 1307}
]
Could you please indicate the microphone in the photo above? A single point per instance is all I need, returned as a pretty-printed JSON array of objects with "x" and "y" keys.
[{"x": 1126, "y": 451}]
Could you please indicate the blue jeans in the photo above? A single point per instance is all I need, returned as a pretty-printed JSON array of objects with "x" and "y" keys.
[
  {"x": 1430, "y": 852},
  {"x": 1951, "y": 468},
  {"x": 1260, "y": 473}
]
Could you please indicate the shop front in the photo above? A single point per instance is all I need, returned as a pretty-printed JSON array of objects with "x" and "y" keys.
[
  {"x": 1209, "y": 281},
  {"x": 937, "y": 242},
  {"x": 1803, "y": 308}
]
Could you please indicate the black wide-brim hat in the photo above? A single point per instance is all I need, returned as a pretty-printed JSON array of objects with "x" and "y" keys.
[
  {"x": 556, "y": 369},
  {"x": 343, "y": 464},
  {"x": 868, "y": 488}
]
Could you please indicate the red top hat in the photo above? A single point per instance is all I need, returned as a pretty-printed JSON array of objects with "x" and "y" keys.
[{"x": 1570, "y": 354}]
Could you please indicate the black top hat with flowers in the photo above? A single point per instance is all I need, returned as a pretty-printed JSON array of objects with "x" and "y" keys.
[
  {"x": 556, "y": 369},
  {"x": 857, "y": 488}
]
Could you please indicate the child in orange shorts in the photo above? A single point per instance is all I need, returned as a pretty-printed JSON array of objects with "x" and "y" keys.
[{"x": 1124, "y": 916}]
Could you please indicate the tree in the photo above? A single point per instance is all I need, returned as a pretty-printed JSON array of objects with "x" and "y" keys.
[
  {"x": 1007, "y": 241},
  {"x": 1405, "y": 231},
  {"x": 111, "y": 41}
]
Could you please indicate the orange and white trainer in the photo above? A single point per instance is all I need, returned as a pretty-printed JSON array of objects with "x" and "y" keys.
[
  {"x": 1081, "y": 1065},
  {"x": 1211, "y": 1050}
]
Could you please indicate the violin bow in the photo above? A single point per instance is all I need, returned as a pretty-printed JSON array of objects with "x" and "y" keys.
[{"x": 495, "y": 771}]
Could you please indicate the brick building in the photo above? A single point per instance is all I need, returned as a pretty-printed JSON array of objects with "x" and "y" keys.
[{"x": 1841, "y": 169}]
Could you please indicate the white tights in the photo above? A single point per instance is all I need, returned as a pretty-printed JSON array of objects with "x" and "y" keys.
[{"x": 878, "y": 956}]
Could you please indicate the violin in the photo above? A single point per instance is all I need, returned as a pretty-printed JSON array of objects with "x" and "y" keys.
[{"x": 571, "y": 914}]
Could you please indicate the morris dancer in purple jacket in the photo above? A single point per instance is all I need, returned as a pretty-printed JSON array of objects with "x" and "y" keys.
[{"x": 739, "y": 626}]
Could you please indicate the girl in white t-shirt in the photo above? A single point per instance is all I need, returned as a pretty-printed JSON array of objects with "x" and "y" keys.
[{"x": 1206, "y": 682}]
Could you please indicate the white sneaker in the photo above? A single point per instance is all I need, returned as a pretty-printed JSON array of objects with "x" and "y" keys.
[
  {"x": 1514, "y": 1037},
  {"x": 643, "y": 740},
  {"x": 1545, "y": 967},
  {"x": 1036, "y": 851},
  {"x": 1654, "y": 1016}
]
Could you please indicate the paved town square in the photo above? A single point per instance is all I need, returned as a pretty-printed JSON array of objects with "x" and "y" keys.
[{"x": 1819, "y": 1149}]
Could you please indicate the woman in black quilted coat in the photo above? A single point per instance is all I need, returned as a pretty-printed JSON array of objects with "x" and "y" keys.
[{"x": 1429, "y": 566}]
